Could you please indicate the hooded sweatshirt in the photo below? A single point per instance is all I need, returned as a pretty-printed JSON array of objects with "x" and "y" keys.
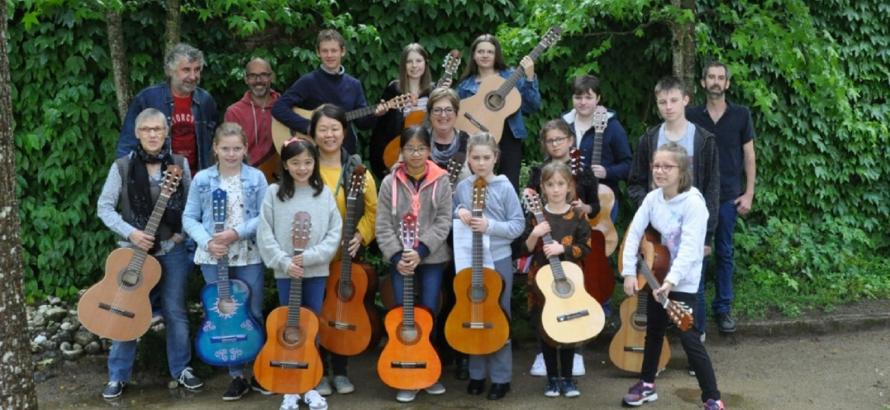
[
  {"x": 502, "y": 209},
  {"x": 256, "y": 121}
]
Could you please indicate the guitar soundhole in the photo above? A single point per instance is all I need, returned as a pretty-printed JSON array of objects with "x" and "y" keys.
[
  {"x": 291, "y": 336},
  {"x": 494, "y": 101},
  {"x": 226, "y": 306},
  {"x": 346, "y": 291},
  {"x": 409, "y": 334},
  {"x": 638, "y": 321},
  {"x": 130, "y": 278},
  {"x": 563, "y": 288},
  {"x": 477, "y": 294}
]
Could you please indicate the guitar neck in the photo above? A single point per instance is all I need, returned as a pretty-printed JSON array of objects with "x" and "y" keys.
[
  {"x": 519, "y": 72},
  {"x": 295, "y": 299},
  {"x": 408, "y": 301},
  {"x": 150, "y": 228},
  {"x": 222, "y": 282},
  {"x": 361, "y": 112},
  {"x": 650, "y": 279},
  {"x": 349, "y": 228},
  {"x": 596, "y": 157},
  {"x": 555, "y": 263},
  {"x": 477, "y": 253}
]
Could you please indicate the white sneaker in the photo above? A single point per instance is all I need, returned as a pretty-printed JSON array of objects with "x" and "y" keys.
[
  {"x": 538, "y": 367},
  {"x": 702, "y": 337},
  {"x": 406, "y": 396},
  {"x": 578, "y": 366},
  {"x": 324, "y": 387},
  {"x": 436, "y": 389},
  {"x": 314, "y": 400},
  {"x": 290, "y": 402},
  {"x": 342, "y": 385}
]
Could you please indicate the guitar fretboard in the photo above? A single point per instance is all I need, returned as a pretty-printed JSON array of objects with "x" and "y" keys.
[
  {"x": 555, "y": 263},
  {"x": 295, "y": 299},
  {"x": 348, "y": 233},
  {"x": 151, "y": 227}
]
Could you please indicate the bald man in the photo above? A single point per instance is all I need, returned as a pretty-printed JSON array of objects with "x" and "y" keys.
[{"x": 254, "y": 113}]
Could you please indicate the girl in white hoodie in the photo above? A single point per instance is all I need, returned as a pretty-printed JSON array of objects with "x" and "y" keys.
[{"x": 677, "y": 211}]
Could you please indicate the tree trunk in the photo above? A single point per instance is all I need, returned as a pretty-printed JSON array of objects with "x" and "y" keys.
[
  {"x": 16, "y": 379},
  {"x": 119, "y": 66},
  {"x": 173, "y": 25},
  {"x": 683, "y": 45}
]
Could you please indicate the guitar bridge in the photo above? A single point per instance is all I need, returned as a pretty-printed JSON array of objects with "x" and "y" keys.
[
  {"x": 633, "y": 349},
  {"x": 571, "y": 316},
  {"x": 228, "y": 338},
  {"x": 395, "y": 364},
  {"x": 477, "y": 325},
  {"x": 117, "y": 311},
  {"x": 341, "y": 325},
  {"x": 289, "y": 365}
]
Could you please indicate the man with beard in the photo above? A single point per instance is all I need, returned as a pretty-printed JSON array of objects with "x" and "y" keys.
[
  {"x": 254, "y": 113},
  {"x": 190, "y": 111},
  {"x": 733, "y": 127}
]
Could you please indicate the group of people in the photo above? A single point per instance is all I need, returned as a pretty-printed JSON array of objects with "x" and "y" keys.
[{"x": 685, "y": 177}]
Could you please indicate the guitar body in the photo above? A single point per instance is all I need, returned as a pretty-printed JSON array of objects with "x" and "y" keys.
[
  {"x": 271, "y": 167},
  {"x": 655, "y": 255},
  {"x": 409, "y": 361},
  {"x": 345, "y": 324},
  {"x": 375, "y": 313},
  {"x": 393, "y": 148},
  {"x": 603, "y": 220},
  {"x": 626, "y": 348},
  {"x": 599, "y": 280},
  {"x": 117, "y": 307},
  {"x": 485, "y": 311},
  {"x": 570, "y": 315},
  {"x": 229, "y": 335},
  {"x": 488, "y": 108},
  {"x": 289, "y": 365}
]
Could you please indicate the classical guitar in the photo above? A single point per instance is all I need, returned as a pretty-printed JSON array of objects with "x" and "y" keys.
[
  {"x": 602, "y": 222},
  {"x": 498, "y": 98},
  {"x": 345, "y": 324},
  {"x": 626, "y": 348},
  {"x": 117, "y": 307},
  {"x": 392, "y": 150},
  {"x": 289, "y": 362},
  {"x": 229, "y": 334},
  {"x": 409, "y": 361},
  {"x": 654, "y": 254},
  {"x": 599, "y": 279},
  {"x": 281, "y": 132},
  {"x": 570, "y": 315},
  {"x": 477, "y": 324},
  {"x": 454, "y": 167}
]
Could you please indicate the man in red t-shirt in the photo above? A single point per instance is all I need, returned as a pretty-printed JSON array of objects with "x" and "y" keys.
[{"x": 254, "y": 113}]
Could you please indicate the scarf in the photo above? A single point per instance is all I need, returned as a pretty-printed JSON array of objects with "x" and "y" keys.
[
  {"x": 139, "y": 192},
  {"x": 442, "y": 157}
]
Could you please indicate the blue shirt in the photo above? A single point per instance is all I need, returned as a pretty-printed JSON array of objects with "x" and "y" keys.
[{"x": 531, "y": 99}]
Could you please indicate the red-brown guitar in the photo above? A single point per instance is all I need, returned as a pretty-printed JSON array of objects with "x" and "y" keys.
[
  {"x": 599, "y": 279},
  {"x": 603, "y": 220}
]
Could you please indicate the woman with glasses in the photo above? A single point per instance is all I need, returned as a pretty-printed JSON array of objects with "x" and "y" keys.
[{"x": 448, "y": 143}]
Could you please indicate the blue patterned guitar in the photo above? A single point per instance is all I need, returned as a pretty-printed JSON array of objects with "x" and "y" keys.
[{"x": 229, "y": 334}]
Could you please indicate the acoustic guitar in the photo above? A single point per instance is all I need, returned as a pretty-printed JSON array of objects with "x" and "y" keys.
[
  {"x": 498, "y": 98},
  {"x": 477, "y": 324},
  {"x": 117, "y": 307},
  {"x": 626, "y": 348},
  {"x": 345, "y": 324},
  {"x": 653, "y": 253},
  {"x": 409, "y": 361},
  {"x": 281, "y": 132},
  {"x": 393, "y": 147},
  {"x": 229, "y": 334},
  {"x": 599, "y": 279},
  {"x": 289, "y": 362},
  {"x": 570, "y": 315},
  {"x": 602, "y": 222},
  {"x": 455, "y": 166}
]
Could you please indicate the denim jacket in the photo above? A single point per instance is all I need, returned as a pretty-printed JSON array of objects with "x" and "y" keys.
[
  {"x": 531, "y": 99},
  {"x": 197, "y": 219},
  {"x": 160, "y": 97}
]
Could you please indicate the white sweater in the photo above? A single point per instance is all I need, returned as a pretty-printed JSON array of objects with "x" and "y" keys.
[{"x": 682, "y": 222}]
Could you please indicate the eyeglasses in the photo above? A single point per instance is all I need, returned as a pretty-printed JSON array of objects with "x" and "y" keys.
[
  {"x": 152, "y": 130},
  {"x": 556, "y": 141},
  {"x": 257, "y": 76},
  {"x": 414, "y": 150},
  {"x": 663, "y": 167},
  {"x": 443, "y": 111}
]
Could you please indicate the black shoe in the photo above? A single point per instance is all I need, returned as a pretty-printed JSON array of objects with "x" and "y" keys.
[
  {"x": 188, "y": 380},
  {"x": 462, "y": 372},
  {"x": 257, "y": 387},
  {"x": 113, "y": 390},
  {"x": 498, "y": 391},
  {"x": 237, "y": 389},
  {"x": 476, "y": 387},
  {"x": 725, "y": 323}
]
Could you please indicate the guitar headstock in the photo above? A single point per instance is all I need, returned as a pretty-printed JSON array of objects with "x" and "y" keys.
[
  {"x": 679, "y": 313},
  {"x": 172, "y": 177},
  {"x": 553, "y": 35},
  {"x": 479, "y": 188},
  {"x": 575, "y": 163},
  {"x": 408, "y": 231},
  {"x": 600, "y": 119},
  {"x": 302, "y": 227},
  {"x": 219, "y": 205},
  {"x": 532, "y": 201},
  {"x": 455, "y": 164},
  {"x": 357, "y": 182},
  {"x": 400, "y": 101},
  {"x": 451, "y": 63}
]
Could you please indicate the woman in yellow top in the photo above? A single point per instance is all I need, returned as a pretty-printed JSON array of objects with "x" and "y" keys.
[{"x": 328, "y": 129}]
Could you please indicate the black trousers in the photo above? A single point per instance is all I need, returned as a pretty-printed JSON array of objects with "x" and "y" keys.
[
  {"x": 656, "y": 323},
  {"x": 510, "y": 160}
]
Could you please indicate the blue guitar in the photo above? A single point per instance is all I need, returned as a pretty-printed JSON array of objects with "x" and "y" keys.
[{"x": 229, "y": 334}]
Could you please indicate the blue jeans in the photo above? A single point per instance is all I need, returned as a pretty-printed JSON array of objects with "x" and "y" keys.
[
  {"x": 252, "y": 276},
  {"x": 427, "y": 277},
  {"x": 723, "y": 271},
  {"x": 171, "y": 288},
  {"x": 313, "y": 292}
]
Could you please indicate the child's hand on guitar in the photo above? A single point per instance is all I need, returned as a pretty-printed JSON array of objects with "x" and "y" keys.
[
  {"x": 581, "y": 207},
  {"x": 479, "y": 224},
  {"x": 297, "y": 260},
  {"x": 381, "y": 108},
  {"x": 225, "y": 237},
  {"x": 541, "y": 229},
  {"x": 630, "y": 285},
  {"x": 554, "y": 249},
  {"x": 295, "y": 271},
  {"x": 599, "y": 171},
  {"x": 142, "y": 240},
  {"x": 465, "y": 216},
  {"x": 662, "y": 291},
  {"x": 354, "y": 244},
  {"x": 217, "y": 249}
]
